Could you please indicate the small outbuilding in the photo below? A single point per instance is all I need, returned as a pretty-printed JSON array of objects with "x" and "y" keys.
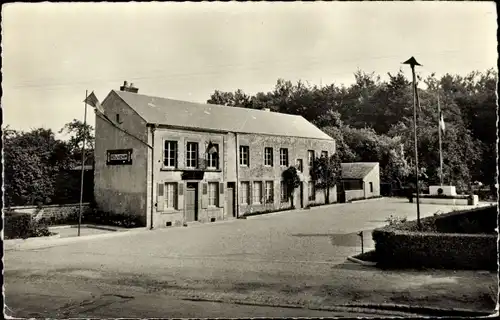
[{"x": 360, "y": 180}]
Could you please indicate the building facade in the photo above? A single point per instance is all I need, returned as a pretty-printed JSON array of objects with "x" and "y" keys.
[{"x": 171, "y": 162}]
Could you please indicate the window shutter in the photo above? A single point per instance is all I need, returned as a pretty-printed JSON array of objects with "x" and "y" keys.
[
  {"x": 204, "y": 196},
  {"x": 160, "y": 197},
  {"x": 221, "y": 195},
  {"x": 250, "y": 192},
  {"x": 180, "y": 188},
  {"x": 180, "y": 195}
]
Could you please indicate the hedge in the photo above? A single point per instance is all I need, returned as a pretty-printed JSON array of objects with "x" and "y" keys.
[
  {"x": 441, "y": 243},
  {"x": 22, "y": 226},
  {"x": 403, "y": 249}
]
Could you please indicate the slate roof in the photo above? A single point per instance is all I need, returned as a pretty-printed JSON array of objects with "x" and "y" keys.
[
  {"x": 215, "y": 117},
  {"x": 357, "y": 170}
]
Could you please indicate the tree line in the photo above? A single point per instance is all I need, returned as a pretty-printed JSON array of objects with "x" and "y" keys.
[
  {"x": 372, "y": 120},
  {"x": 39, "y": 169}
]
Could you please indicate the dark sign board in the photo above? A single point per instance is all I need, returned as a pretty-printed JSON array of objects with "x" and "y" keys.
[
  {"x": 117, "y": 157},
  {"x": 193, "y": 175}
]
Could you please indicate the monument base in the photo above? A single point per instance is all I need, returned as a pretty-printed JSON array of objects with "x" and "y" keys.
[{"x": 447, "y": 190}]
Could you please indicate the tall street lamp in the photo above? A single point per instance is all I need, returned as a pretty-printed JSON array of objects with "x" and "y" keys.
[{"x": 412, "y": 62}]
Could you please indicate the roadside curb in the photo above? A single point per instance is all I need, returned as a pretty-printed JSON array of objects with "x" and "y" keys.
[
  {"x": 38, "y": 243},
  {"x": 416, "y": 309},
  {"x": 365, "y": 263},
  {"x": 87, "y": 225},
  {"x": 340, "y": 308},
  {"x": 379, "y": 309}
]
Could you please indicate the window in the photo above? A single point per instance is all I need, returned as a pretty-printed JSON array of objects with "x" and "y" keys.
[
  {"x": 244, "y": 156},
  {"x": 310, "y": 157},
  {"x": 324, "y": 154},
  {"x": 118, "y": 118},
  {"x": 269, "y": 192},
  {"x": 245, "y": 192},
  {"x": 171, "y": 195},
  {"x": 213, "y": 157},
  {"x": 192, "y": 155},
  {"x": 284, "y": 193},
  {"x": 299, "y": 165},
  {"x": 213, "y": 194},
  {"x": 170, "y": 154},
  {"x": 312, "y": 191},
  {"x": 257, "y": 192},
  {"x": 353, "y": 185},
  {"x": 268, "y": 157},
  {"x": 371, "y": 186},
  {"x": 284, "y": 157}
]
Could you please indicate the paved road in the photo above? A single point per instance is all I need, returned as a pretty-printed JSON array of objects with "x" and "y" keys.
[{"x": 292, "y": 258}]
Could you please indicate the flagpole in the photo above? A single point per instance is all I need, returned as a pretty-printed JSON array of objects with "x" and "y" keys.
[
  {"x": 83, "y": 162},
  {"x": 440, "y": 143}
]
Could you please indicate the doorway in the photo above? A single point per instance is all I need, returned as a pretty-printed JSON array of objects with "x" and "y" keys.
[
  {"x": 191, "y": 201},
  {"x": 230, "y": 200}
]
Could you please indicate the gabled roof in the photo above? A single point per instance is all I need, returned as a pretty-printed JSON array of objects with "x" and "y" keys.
[
  {"x": 357, "y": 170},
  {"x": 164, "y": 111}
]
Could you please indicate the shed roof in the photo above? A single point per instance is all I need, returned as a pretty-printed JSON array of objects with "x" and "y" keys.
[
  {"x": 215, "y": 117},
  {"x": 357, "y": 170}
]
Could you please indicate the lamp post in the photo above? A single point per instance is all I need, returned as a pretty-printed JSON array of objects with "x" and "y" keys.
[{"x": 412, "y": 62}]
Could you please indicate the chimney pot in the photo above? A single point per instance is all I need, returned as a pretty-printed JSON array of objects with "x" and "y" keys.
[{"x": 125, "y": 83}]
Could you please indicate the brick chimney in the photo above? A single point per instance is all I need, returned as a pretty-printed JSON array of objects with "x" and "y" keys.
[{"x": 129, "y": 88}]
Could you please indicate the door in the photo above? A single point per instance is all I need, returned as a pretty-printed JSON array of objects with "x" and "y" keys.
[
  {"x": 230, "y": 199},
  {"x": 191, "y": 203}
]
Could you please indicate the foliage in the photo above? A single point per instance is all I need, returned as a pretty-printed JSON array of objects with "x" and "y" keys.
[
  {"x": 326, "y": 173},
  {"x": 32, "y": 160},
  {"x": 37, "y": 166},
  {"x": 393, "y": 220},
  {"x": 22, "y": 226},
  {"x": 372, "y": 120},
  {"x": 78, "y": 132},
  {"x": 112, "y": 219},
  {"x": 292, "y": 182}
]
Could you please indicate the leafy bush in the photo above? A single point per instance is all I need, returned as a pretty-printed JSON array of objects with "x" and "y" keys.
[
  {"x": 22, "y": 226},
  {"x": 112, "y": 219}
]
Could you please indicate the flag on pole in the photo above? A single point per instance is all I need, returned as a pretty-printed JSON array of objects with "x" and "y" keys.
[
  {"x": 441, "y": 122},
  {"x": 94, "y": 102}
]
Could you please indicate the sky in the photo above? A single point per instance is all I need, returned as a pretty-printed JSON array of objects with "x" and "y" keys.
[{"x": 54, "y": 52}]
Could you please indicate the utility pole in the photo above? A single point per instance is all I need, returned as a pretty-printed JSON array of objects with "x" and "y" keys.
[{"x": 412, "y": 62}]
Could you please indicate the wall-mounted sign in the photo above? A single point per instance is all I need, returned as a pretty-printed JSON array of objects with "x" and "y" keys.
[
  {"x": 192, "y": 175},
  {"x": 117, "y": 157}
]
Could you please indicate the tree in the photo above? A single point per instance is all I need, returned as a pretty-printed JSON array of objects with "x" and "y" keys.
[
  {"x": 78, "y": 131},
  {"x": 326, "y": 173},
  {"x": 32, "y": 161},
  {"x": 292, "y": 182}
]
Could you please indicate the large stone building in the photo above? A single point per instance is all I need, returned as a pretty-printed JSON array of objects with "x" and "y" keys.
[{"x": 170, "y": 162}]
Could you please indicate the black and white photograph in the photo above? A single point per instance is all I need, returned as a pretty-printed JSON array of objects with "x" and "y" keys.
[{"x": 264, "y": 159}]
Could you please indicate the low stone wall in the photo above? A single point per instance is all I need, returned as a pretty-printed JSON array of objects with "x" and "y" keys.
[{"x": 53, "y": 212}]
